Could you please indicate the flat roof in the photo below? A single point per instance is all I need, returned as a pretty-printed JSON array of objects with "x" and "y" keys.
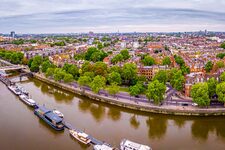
[{"x": 53, "y": 117}]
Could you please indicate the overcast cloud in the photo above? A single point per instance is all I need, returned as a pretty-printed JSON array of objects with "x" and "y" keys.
[{"x": 60, "y": 16}]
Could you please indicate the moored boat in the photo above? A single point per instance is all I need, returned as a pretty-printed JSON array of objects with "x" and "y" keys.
[
  {"x": 22, "y": 90},
  {"x": 103, "y": 147},
  {"x": 49, "y": 117},
  {"x": 129, "y": 145},
  {"x": 14, "y": 89},
  {"x": 58, "y": 113},
  {"x": 27, "y": 100},
  {"x": 80, "y": 136}
]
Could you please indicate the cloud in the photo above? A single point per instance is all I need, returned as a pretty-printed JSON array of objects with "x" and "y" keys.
[{"x": 108, "y": 16}]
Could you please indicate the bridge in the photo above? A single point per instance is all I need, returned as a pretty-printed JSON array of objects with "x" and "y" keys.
[
  {"x": 5, "y": 63},
  {"x": 12, "y": 67}
]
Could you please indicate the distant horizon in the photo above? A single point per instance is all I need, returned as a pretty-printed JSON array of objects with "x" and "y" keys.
[
  {"x": 66, "y": 16},
  {"x": 166, "y": 32}
]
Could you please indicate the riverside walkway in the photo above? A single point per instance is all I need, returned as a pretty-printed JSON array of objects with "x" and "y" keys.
[{"x": 173, "y": 107}]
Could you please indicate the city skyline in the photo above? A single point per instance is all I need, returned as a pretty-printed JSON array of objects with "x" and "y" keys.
[{"x": 109, "y": 16}]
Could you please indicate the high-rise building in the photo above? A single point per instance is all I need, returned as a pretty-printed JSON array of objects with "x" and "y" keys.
[{"x": 12, "y": 34}]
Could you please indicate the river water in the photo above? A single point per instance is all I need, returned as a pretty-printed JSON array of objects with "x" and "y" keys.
[{"x": 20, "y": 129}]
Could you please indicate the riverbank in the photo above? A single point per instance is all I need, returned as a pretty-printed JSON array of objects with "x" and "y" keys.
[{"x": 140, "y": 106}]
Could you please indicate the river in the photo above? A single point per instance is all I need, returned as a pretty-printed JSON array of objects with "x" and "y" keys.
[{"x": 20, "y": 129}]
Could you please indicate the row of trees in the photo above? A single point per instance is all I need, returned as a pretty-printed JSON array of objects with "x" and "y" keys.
[
  {"x": 203, "y": 92},
  {"x": 99, "y": 76},
  {"x": 13, "y": 57}
]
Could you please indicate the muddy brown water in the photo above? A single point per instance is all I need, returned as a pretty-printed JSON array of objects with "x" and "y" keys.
[{"x": 20, "y": 129}]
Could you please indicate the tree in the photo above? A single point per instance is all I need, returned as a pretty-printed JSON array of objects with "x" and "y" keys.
[
  {"x": 156, "y": 91},
  {"x": 37, "y": 61},
  {"x": 100, "y": 46},
  {"x": 177, "y": 79},
  {"x": 220, "y": 91},
  {"x": 212, "y": 83},
  {"x": 94, "y": 54},
  {"x": 115, "y": 69},
  {"x": 185, "y": 69},
  {"x": 219, "y": 64},
  {"x": 222, "y": 77},
  {"x": 129, "y": 72},
  {"x": 30, "y": 62},
  {"x": 59, "y": 74},
  {"x": 148, "y": 61},
  {"x": 208, "y": 66},
  {"x": 14, "y": 59},
  {"x": 89, "y": 52},
  {"x": 117, "y": 58},
  {"x": 200, "y": 94},
  {"x": 113, "y": 89},
  {"x": 125, "y": 54},
  {"x": 66, "y": 66},
  {"x": 86, "y": 67},
  {"x": 68, "y": 78},
  {"x": 136, "y": 89},
  {"x": 100, "y": 68},
  {"x": 49, "y": 72},
  {"x": 89, "y": 74},
  {"x": 179, "y": 60},
  {"x": 98, "y": 83},
  {"x": 74, "y": 71},
  {"x": 161, "y": 76},
  {"x": 223, "y": 45},
  {"x": 84, "y": 80},
  {"x": 45, "y": 65},
  {"x": 114, "y": 77},
  {"x": 220, "y": 55},
  {"x": 166, "y": 61}
]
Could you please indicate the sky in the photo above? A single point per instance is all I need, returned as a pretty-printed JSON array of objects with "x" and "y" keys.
[{"x": 77, "y": 16}]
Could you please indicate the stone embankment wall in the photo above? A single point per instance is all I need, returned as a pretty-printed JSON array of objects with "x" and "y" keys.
[{"x": 171, "y": 110}]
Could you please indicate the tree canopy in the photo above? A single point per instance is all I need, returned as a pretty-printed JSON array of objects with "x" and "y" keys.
[
  {"x": 220, "y": 91},
  {"x": 212, "y": 83},
  {"x": 98, "y": 83},
  {"x": 200, "y": 94},
  {"x": 166, "y": 61},
  {"x": 148, "y": 61},
  {"x": 156, "y": 91},
  {"x": 208, "y": 66}
]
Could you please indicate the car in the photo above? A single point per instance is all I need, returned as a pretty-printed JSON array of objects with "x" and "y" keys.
[{"x": 194, "y": 104}]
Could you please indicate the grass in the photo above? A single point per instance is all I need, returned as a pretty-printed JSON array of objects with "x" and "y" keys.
[{"x": 124, "y": 89}]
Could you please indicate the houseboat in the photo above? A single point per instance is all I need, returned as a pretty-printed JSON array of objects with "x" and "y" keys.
[
  {"x": 49, "y": 117},
  {"x": 58, "y": 113},
  {"x": 22, "y": 90},
  {"x": 27, "y": 100},
  {"x": 80, "y": 136},
  {"x": 103, "y": 147},
  {"x": 129, "y": 145},
  {"x": 14, "y": 89}
]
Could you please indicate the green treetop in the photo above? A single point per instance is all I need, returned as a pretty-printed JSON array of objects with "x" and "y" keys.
[
  {"x": 200, "y": 94},
  {"x": 156, "y": 91}
]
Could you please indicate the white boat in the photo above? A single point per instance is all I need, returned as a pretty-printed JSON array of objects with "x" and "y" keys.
[
  {"x": 22, "y": 90},
  {"x": 80, "y": 136},
  {"x": 14, "y": 89},
  {"x": 58, "y": 113},
  {"x": 103, "y": 147},
  {"x": 27, "y": 100},
  {"x": 129, "y": 145}
]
